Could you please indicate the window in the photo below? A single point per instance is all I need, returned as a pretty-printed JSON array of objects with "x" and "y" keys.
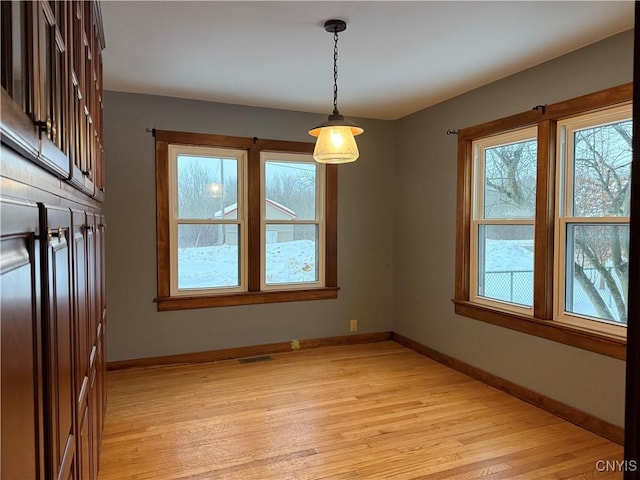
[
  {"x": 503, "y": 223},
  {"x": 243, "y": 220},
  {"x": 208, "y": 212},
  {"x": 543, "y": 221},
  {"x": 593, "y": 224},
  {"x": 291, "y": 220}
]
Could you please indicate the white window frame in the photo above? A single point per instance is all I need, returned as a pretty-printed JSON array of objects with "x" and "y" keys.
[
  {"x": 477, "y": 217},
  {"x": 565, "y": 216},
  {"x": 175, "y": 150},
  {"x": 320, "y": 188}
]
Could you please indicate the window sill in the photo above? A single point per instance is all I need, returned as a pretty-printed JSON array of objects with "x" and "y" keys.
[
  {"x": 247, "y": 298},
  {"x": 610, "y": 346}
]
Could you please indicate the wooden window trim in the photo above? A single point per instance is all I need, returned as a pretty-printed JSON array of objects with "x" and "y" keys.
[
  {"x": 254, "y": 295},
  {"x": 541, "y": 323}
]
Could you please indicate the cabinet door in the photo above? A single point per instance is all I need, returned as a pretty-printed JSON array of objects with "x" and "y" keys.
[
  {"x": 102, "y": 336},
  {"x": 94, "y": 427},
  {"x": 98, "y": 115},
  {"x": 93, "y": 292},
  {"x": 84, "y": 444},
  {"x": 82, "y": 169},
  {"x": 95, "y": 329},
  {"x": 21, "y": 396},
  {"x": 52, "y": 91},
  {"x": 86, "y": 325},
  {"x": 81, "y": 317},
  {"x": 68, "y": 469},
  {"x": 82, "y": 342},
  {"x": 19, "y": 52},
  {"x": 58, "y": 337}
]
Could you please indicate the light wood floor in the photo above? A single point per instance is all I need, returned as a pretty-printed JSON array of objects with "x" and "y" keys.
[{"x": 376, "y": 411}]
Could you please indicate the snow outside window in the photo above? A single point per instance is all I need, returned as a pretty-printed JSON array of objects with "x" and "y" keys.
[
  {"x": 504, "y": 191},
  {"x": 243, "y": 220},
  {"x": 542, "y": 221},
  {"x": 207, "y": 221},
  {"x": 292, "y": 221},
  {"x": 593, "y": 225}
]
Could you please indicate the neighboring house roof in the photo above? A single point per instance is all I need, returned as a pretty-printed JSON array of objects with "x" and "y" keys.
[{"x": 230, "y": 209}]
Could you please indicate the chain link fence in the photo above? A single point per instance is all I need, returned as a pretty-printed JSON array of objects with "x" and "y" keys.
[{"x": 516, "y": 286}]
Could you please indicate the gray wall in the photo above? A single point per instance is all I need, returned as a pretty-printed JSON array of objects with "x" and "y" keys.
[
  {"x": 396, "y": 234},
  {"x": 424, "y": 255},
  {"x": 365, "y": 234}
]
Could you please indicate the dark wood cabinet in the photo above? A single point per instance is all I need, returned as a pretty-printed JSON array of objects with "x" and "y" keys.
[
  {"x": 90, "y": 383},
  {"x": 53, "y": 323},
  {"x": 59, "y": 337},
  {"x": 53, "y": 304},
  {"x": 21, "y": 394},
  {"x": 51, "y": 74},
  {"x": 101, "y": 313},
  {"x": 84, "y": 442}
]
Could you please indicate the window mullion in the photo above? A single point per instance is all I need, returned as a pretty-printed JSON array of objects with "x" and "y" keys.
[
  {"x": 255, "y": 240},
  {"x": 543, "y": 266}
]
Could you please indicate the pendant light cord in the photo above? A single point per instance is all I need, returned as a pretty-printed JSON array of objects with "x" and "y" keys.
[{"x": 335, "y": 72}]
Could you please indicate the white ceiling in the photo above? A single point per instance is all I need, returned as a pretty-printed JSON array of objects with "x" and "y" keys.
[{"x": 395, "y": 58}]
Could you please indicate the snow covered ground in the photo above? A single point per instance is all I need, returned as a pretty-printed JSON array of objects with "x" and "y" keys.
[
  {"x": 508, "y": 267},
  {"x": 286, "y": 262},
  {"x": 508, "y": 255},
  {"x": 509, "y": 271},
  {"x": 509, "y": 277}
]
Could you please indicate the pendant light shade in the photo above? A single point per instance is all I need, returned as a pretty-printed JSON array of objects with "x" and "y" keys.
[{"x": 335, "y": 143}]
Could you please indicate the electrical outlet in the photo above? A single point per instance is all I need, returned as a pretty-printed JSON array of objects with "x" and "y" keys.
[
  {"x": 353, "y": 327},
  {"x": 295, "y": 345}
]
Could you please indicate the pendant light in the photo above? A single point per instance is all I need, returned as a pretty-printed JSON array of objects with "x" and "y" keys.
[{"x": 335, "y": 142}]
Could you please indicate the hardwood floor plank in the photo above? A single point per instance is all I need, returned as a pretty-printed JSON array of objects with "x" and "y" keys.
[{"x": 371, "y": 411}]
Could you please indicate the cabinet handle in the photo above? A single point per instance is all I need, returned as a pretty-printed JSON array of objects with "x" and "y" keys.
[
  {"x": 45, "y": 126},
  {"x": 59, "y": 234},
  {"x": 89, "y": 228}
]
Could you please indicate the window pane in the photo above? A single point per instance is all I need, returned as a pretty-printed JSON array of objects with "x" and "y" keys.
[
  {"x": 208, "y": 256},
  {"x": 597, "y": 271},
  {"x": 290, "y": 189},
  {"x": 291, "y": 253},
  {"x": 602, "y": 170},
  {"x": 505, "y": 263},
  {"x": 510, "y": 180},
  {"x": 207, "y": 187}
]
